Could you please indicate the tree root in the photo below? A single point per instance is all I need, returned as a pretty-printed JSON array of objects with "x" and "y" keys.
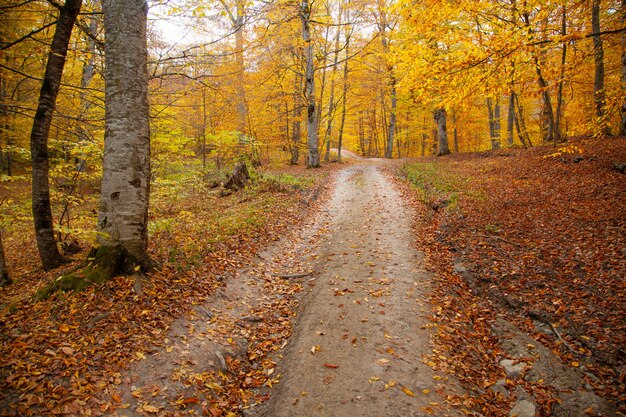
[{"x": 102, "y": 264}]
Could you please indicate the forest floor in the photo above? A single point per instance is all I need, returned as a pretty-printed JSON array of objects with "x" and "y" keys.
[{"x": 485, "y": 284}]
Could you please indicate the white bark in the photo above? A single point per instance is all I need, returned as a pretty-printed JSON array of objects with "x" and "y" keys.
[
  {"x": 313, "y": 159},
  {"x": 125, "y": 190}
]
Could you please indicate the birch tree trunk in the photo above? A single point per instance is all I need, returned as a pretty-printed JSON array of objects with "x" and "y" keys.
[
  {"x": 599, "y": 95},
  {"x": 313, "y": 159},
  {"x": 42, "y": 211},
  {"x": 442, "y": 132},
  {"x": 125, "y": 190}
]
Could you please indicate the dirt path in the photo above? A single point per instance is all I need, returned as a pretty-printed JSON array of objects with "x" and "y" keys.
[
  {"x": 359, "y": 338},
  {"x": 358, "y": 344}
]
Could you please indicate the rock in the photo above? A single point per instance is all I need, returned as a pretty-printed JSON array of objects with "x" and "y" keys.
[
  {"x": 500, "y": 387},
  {"x": 523, "y": 408},
  {"x": 512, "y": 368},
  {"x": 459, "y": 268}
]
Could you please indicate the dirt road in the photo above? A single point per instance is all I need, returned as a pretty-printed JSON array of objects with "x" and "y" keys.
[{"x": 358, "y": 344}]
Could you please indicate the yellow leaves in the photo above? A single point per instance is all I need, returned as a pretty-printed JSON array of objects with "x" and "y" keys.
[
  {"x": 373, "y": 379},
  {"x": 140, "y": 355},
  {"x": 408, "y": 392},
  {"x": 64, "y": 328},
  {"x": 149, "y": 409}
]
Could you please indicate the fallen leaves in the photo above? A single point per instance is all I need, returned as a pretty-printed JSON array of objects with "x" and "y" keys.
[
  {"x": 540, "y": 239},
  {"x": 72, "y": 348}
]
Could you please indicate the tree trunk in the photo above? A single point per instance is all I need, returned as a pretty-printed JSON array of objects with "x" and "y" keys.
[
  {"x": 331, "y": 100},
  {"x": 392, "y": 119},
  {"x": 320, "y": 99},
  {"x": 550, "y": 133},
  {"x": 442, "y": 132},
  {"x": 521, "y": 122},
  {"x": 455, "y": 133},
  {"x": 42, "y": 212},
  {"x": 125, "y": 190},
  {"x": 344, "y": 103},
  {"x": 313, "y": 159},
  {"x": 494, "y": 122},
  {"x": 4, "y": 272},
  {"x": 622, "y": 130},
  {"x": 559, "y": 93},
  {"x": 297, "y": 122},
  {"x": 599, "y": 94},
  {"x": 510, "y": 120},
  {"x": 382, "y": 27}
]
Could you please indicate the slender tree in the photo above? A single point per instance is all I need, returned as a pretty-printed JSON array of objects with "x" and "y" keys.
[
  {"x": 5, "y": 279},
  {"x": 599, "y": 94},
  {"x": 622, "y": 129},
  {"x": 42, "y": 211}
]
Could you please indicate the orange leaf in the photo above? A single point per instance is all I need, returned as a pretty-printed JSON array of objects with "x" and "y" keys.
[{"x": 330, "y": 365}]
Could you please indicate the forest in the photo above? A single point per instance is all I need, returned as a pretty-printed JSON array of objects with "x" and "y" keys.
[{"x": 157, "y": 157}]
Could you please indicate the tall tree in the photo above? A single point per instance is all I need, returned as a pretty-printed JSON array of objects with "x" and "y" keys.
[
  {"x": 599, "y": 94},
  {"x": 331, "y": 100},
  {"x": 236, "y": 15},
  {"x": 125, "y": 190},
  {"x": 313, "y": 159},
  {"x": 493, "y": 109},
  {"x": 42, "y": 211},
  {"x": 622, "y": 129},
  {"x": 383, "y": 26}
]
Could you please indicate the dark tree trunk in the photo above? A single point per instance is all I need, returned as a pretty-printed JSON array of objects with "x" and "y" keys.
[
  {"x": 4, "y": 272},
  {"x": 550, "y": 133},
  {"x": 622, "y": 128},
  {"x": 559, "y": 94},
  {"x": 42, "y": 211},
  {"x": 599, "y": 95}
]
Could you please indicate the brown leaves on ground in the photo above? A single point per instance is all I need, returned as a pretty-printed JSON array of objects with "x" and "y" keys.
[
  {"x": 537, "y": 235},
  {"x": 61, "y": 356}
]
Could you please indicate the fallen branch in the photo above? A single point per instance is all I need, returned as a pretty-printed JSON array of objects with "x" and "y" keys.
[
  {"x": 288, "y": 276},
  {"x": 558, "y": 335}
]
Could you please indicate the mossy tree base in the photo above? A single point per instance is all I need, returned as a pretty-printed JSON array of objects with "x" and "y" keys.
[{"x": 102, "y": 264}]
